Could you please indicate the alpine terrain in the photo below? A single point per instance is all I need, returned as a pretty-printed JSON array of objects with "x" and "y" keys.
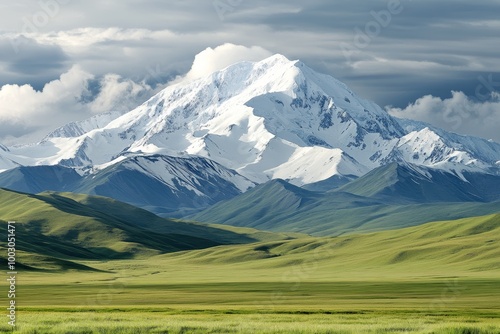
[{"x": 198, "y": 143}]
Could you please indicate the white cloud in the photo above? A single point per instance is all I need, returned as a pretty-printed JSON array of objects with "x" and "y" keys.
[
  {"x": 118, "y": 94},
  {"x": 23, "y": 108},
  {"x": 27, "y": 114},
  {"x": 76, "y": 39},
  {"x": 459, "y": 114},
  {"x": 211, "y": 60},
  {"x": 379, "y": 65}
]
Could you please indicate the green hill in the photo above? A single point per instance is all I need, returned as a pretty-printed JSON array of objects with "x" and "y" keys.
[
  {"x": 280, "y": 206},
  {"x": 467, "y": 246},
  {"x": 409, "y": 183},
  {"x": 65, "y": 227}
]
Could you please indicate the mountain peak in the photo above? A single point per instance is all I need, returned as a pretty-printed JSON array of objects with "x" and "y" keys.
[
  {"x": 276, "y": 59},
  {"x": 265, "y": 120}
]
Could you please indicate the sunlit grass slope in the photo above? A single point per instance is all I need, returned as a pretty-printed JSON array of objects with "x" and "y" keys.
[
  {"x": 53, "y": 229},
  {"x": 469, "y": 246}
]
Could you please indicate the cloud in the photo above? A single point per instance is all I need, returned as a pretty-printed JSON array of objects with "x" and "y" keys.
[
  {"x": 27, "y": 114},
  {"x": 24, "y": 109},
  {"x": 156, "y": 56},
  {"x": 85, "y": 37},
  {"x": 27, "y": 56},
  {"x": 118, "y": 94},
  {"x": 211, "y": 60},
  {"x": 25, "y": 60},
  {"x": 429, "y": 48},
  {"x": 459, "y": 113}
]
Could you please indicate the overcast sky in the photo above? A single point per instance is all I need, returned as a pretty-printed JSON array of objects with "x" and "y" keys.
[{"x": 430, "y": 60}]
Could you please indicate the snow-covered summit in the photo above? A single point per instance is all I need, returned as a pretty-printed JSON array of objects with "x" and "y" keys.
[{"x": 275, "y": 118}]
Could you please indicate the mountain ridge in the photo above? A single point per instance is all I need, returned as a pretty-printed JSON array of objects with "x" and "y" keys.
[
  {"x": 172, "y": 186},
  {"x": 388, "y": 197},
  {"x": 273, "y": 119},
  {"x": 278, "y": 96}
]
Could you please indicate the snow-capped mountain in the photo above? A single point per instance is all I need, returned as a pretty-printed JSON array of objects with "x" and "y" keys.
[
  {"x": 167, "y": 185},
  {"x": 163, "y": 184},
  {"x": 450, "y": 150},
  {"x": 76, "y": 129},
  {"x": 266, "y": 120}
]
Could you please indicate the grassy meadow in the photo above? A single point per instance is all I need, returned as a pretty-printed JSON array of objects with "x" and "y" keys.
[
  {"x": 161, "y": 321},
  {"x": 440, "y": 277}
]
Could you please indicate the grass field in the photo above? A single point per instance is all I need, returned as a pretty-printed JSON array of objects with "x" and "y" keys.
[
  {"x": 446, "y": 305},
  {"x": 165, "y": 321},
  {"x": 436, "y": 278}
]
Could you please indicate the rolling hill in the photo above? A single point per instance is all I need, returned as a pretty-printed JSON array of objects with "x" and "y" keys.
[
  {"x": 390, "y": 201},
  {"x": 468, "y": 246},
  {"x": 63, "y": 227}
]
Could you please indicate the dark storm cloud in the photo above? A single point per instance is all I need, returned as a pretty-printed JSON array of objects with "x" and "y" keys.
[
  {"x": 399, "y": 90},
  {"x": 177, "y": 15},
  {"x": 23, "y": 60},
  {"x": 319, "y": 16},
  {"x": 32, "y": 58},
  {"x": 459, "y": 38}
]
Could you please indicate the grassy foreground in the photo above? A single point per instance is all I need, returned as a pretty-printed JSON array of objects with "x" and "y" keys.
[
  {"x": 401, "y": 306},
  {"x": 436, "y": 278},
  {"x": 219, "y": 322}
]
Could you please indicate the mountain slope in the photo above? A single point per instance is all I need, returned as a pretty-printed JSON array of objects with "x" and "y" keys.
[
  {"x": 35, "y": 179},
  {"x": 74, "y": 230},
  {"x": 279, "y": 206},
  {"x": 462, "y": 247},
  {"x": 166, "y": 185},
  {"x": 425, "y": 185},
  {"x": 333, "y": 182},
  {"x": 480, "y": 149},
  {"x": 76, "y": 129},
  {"x": 162, "y": 184},
  {"x": 69, "y": 227}
]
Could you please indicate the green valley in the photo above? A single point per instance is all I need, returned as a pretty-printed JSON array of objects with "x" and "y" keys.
[{"x": 440, "y": 277}]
